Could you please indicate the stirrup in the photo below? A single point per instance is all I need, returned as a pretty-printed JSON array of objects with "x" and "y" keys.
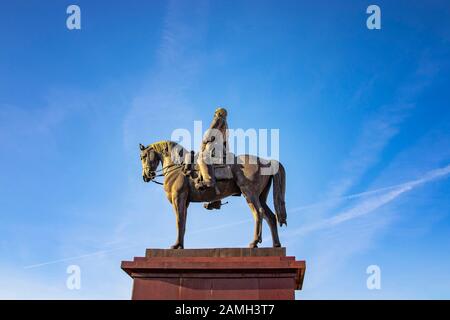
[{"x": 213, "y": 205}]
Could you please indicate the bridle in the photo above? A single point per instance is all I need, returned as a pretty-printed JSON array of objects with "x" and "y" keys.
[{"x": 161, "y": 173}]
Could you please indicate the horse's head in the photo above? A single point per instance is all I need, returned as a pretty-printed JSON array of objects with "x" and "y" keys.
[{"x": 150, "y": 161}]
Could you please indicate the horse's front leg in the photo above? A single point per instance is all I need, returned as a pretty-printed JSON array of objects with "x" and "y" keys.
[{"x": 179, "y": 203}]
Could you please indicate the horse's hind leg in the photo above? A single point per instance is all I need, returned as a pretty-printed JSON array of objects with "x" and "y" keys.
[
  {"x": 269, "y": 216},
  {"x": 257, "y": 211}
]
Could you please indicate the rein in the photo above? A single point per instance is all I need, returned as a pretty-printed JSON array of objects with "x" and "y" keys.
[
  {"x": 169, "y": 166},
  {"x": 157, "y": 182},
  {"x": 161, "y": 174}
]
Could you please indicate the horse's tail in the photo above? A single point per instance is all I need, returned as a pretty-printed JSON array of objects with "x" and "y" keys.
[{"x": 279, "y": 189}]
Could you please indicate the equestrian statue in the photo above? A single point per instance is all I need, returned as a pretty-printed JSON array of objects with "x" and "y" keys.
[{"x": 214, "y": 174}]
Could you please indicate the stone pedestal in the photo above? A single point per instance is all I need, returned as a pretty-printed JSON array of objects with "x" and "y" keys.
[{"x": 225, "y": 273}]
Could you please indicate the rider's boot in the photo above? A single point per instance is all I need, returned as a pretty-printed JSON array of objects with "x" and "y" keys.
[
  {"x": 208, "y": 180},
  {"x": 213, "y": 205}
]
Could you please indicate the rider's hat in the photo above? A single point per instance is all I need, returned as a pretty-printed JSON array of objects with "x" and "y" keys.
[{"x": 221, "y": 112}]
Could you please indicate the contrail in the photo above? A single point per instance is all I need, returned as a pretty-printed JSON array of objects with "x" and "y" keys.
[
  {"x": 102, "y": 252},
  {"x": 221, "y": 226},
  {"x": 371, "y": 204},
  {"x": 347, "y": 197},
  {"x": 92, "y": 254}
]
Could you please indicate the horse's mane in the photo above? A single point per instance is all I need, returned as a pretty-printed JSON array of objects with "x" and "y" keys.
[{"x": 166, "y": 146}]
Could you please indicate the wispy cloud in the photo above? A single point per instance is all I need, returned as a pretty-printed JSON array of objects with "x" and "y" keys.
[
  {"x": 352, "y": 196},
  {"x": 380, "y": 128},
  {"x": 372, "y": 203},
  {"x": 162, "y": 100},
  {"x": 336, "y": 239},
  {"x": 336, "y": 234}
]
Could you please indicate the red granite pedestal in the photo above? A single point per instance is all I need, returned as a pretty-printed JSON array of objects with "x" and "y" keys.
[{"x": 225, "y": 273}]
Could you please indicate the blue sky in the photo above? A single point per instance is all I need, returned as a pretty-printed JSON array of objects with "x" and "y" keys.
[{"x": 364, "y": 136}]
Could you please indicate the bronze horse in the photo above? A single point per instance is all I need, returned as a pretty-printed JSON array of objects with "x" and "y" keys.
[{"x": 247, "y": 180}]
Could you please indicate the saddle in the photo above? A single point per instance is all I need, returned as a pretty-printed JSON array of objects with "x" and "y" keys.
[{"x": 221, "y": 171}]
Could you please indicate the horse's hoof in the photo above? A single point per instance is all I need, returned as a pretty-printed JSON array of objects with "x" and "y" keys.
[
  {"x": 176, "y": 246},
  {"x": 253, "y": 245},
  {"x": 277, "y": 245}
]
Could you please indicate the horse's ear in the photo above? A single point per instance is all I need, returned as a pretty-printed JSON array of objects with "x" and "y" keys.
[{"x": 141, "y": 146}]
